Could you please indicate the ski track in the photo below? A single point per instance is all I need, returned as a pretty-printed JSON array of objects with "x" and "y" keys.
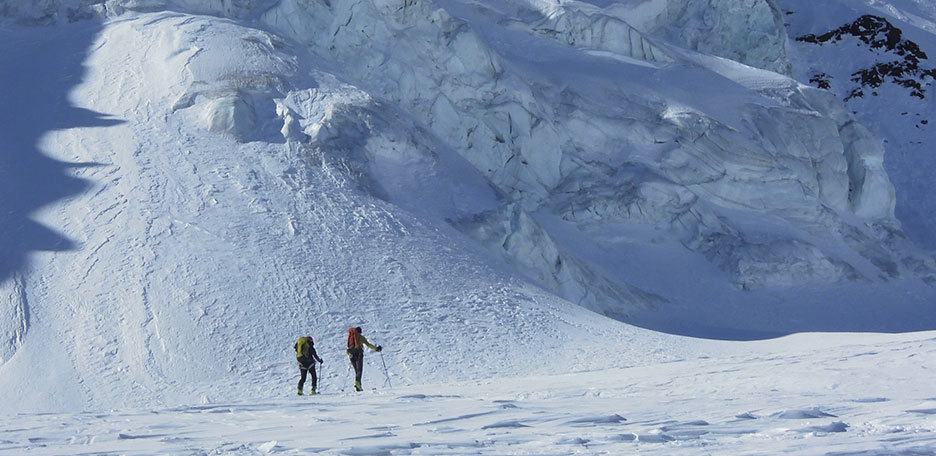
[{"x": 823, "y": 405}]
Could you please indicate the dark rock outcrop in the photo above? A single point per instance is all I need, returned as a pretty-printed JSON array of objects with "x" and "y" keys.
[{"x": 879, "y": 34}]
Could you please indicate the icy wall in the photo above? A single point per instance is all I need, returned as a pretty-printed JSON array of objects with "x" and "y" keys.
[
  {"x": 571, "y": 145},
  {"x": 747, "y": 31},
  {"x": 601, "y": 123}
]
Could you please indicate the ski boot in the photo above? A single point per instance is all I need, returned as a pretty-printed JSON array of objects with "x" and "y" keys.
[
  {"x": 312, "y": 393},
  {"x": 300, "y": 392},
  {"x": 358, "y": 387}
]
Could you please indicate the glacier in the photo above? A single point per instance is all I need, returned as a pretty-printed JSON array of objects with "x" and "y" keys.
[{"x": 232, "y": 173}]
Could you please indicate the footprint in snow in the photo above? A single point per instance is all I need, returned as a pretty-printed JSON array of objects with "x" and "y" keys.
[
  {"x": 593, "y": 420},
  {"x": 804, "y": 414},
  {"x": 380, "y": 450},
  {"x": 869, "y": 400},
  {"x": 929, "y": 411},
  {"x": 139, "y": 436},
  {"x": 446, "y": 430},
  {"x": 414, "y": 396},
  {"x": 836, "y": 426},
  {"x": 508, "y": 424},
  {"x": 456, "y": 418},
  {"x": 457, "y": 445},
  {"x": 383, "y": 428},
  {"x": 643, "y": 438},
  {"x": 371, "y": 436},
  {"x": 685, "y": 431},
  {"x": 175, "y": 439},
  {"x": 629, "y": 437},
  {"x": 429, "y": 396},
  {"x": 687, "y": 423},
  {"x": 572, "y": 441},
  {"x": 506, "y": 404}
]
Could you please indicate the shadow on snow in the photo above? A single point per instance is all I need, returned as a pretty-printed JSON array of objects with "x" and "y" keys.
[{"x": 40, "y": 66}]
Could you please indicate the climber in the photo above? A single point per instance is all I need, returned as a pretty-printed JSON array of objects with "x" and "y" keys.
[
  {"x": 306, "y": 356},
  {"x": 356, "y": 343}
]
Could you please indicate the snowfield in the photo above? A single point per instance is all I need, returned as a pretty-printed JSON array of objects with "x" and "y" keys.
[
  {"x": 577, "y": 227},
  {"x": 807, "y": 394}
]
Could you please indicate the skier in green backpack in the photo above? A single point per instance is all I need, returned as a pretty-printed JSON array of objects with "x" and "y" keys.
[{"x": 306, "y": 356}]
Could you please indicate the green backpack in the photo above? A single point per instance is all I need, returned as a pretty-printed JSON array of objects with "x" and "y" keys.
[{"x": 304, "y": 347}]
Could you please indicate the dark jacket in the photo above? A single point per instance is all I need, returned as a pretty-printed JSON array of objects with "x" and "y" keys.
[{"x": 305, "y": 351}]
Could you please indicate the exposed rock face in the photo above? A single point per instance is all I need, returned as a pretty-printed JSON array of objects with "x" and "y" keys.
[{"x": 879, "y": 34}]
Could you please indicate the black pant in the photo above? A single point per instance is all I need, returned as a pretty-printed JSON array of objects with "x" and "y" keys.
[
  {"x": 310, "y": 369},
  {"x": 357, "y": 361}
]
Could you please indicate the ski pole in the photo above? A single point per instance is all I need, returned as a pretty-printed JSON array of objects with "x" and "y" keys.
[
  {"x": 386, "y": 373},
  {"x": 320, "y": 377}
]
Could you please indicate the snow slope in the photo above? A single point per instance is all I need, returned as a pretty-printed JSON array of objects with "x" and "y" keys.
[
  {"x": 201, "y": 258},
  {"x": 217, "y": 179}
]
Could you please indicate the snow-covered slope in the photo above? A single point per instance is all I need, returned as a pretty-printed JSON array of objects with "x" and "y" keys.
[
  {"x": 447, "y": 174},
  {"x": 202, "y": 257}
]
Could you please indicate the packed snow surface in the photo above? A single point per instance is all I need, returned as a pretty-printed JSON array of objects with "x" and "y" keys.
[{"x": 804, "y": 395}]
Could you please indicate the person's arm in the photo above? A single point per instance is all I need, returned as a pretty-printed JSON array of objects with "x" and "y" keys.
[
  {"x": 372, "y": 346},
  {"x": 365, "y": 342},
  {"x": 316, "y": 356}
]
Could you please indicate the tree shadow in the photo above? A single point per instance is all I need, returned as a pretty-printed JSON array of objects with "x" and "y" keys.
[{"x": 41, "y": 65}]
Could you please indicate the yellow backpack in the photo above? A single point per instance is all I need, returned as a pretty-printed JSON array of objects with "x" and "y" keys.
[{"x": 303, "y": 347}]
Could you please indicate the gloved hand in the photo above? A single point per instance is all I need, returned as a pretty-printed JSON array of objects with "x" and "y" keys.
[
  {"x": 379, "y": 348},
  {"x": 321, "y": 361}
]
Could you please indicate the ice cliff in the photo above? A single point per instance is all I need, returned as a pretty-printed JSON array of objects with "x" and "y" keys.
[{"x": 583, "y": 113}]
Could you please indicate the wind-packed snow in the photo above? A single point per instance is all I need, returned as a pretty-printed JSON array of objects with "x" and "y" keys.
[
  {"x": 845, "y": 395},
  {"x": 188, "y": 186}
]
